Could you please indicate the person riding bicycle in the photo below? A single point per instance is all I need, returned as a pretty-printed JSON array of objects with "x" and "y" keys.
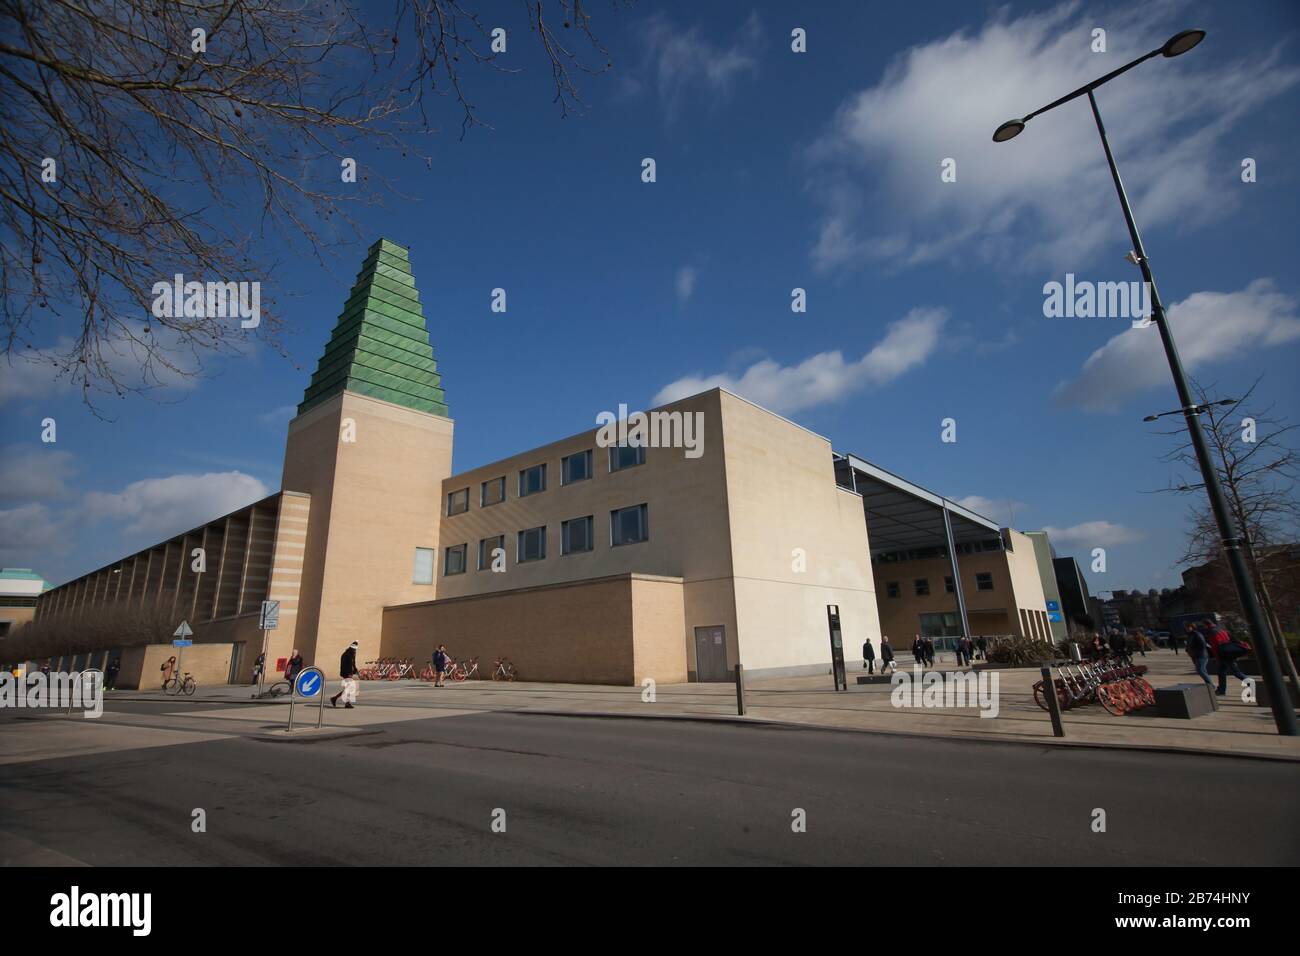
[
  {"x": 440, "y": 660},
  {"x": 168, "y": 670}
]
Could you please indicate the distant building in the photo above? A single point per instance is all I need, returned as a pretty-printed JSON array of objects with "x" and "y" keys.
[
  {"x": 1044, "y": 554},
  {"x": 1209, "y": 587},
  {"x": 20, "y": 589},
  {"x": 1076, "y": 600}
]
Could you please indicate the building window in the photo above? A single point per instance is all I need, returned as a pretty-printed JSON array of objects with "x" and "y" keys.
[
  {"x": 492, "y": 492},
  {"x": 922, "y": 586},
  {"x": 532, "y": 545},
  {"x": 948, "y": 584},
  {"x": 423, "y": 573},
  {"x": 576, "y": 535},
  {"x": 940, "y": 625},
  {"x": 532, "y": 480},
  {"x": 984, "y": 581},
  {"x": 575, "y": 467},
  {"x": 458, "y": 502},
  {"x": 892, "y": 590},
  {"x": 628, "y": 525},
  {"x": 454, "y": 560},
  {"x": 625, "y": 456},
  {"x": 486, "y": 547}
]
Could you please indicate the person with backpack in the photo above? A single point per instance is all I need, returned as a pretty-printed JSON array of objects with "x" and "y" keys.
[
  {"x": 869, "y": 657},
  {"x": 348, "y": 671},
  {"x": 1199, "y": 651},
  {"x": 1227, "y": 651},
  {"x": 886, "y": 654},
  {"x": 440, "y": 659}
]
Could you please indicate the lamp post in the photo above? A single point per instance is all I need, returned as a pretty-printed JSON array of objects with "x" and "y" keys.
[{"x": 1279, "y": 698}]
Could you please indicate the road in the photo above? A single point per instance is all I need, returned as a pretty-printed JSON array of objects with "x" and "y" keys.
[{"x": 584, "y": 790}]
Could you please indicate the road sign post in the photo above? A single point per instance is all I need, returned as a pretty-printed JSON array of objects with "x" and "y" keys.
[
  {"x": 182, "y": 640},
  {"x": 269, "y": 620},
  {"x": 308, "y": 684}
]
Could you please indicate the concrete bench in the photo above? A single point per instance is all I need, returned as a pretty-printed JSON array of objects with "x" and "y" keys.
[{"x": 1185, "y": 700}]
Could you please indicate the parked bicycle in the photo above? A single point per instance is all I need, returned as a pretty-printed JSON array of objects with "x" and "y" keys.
[
  {"x": 185, "y": 684},
  {"x": 504, "y": 670},
  {"x": 1117, "y": 686}
]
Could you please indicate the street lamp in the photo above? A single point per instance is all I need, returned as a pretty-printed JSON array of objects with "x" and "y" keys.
[
  {"x": 1195, "y": 408},
  {"x": 1283, "y": 712}
]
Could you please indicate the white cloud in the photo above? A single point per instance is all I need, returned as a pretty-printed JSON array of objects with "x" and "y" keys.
[
  {"x": 825, "y": 377},
  {"x": 1044, "y": 198},
  {"x": 158, "y": 507},
  {"x": 684, "y": 283},
  {"x": 684, "y": 60},
  {"x": 28, "y": 533},
  {"x": 1093, "y": 534},
  {"x": 1207, "y": 326},
  {"x": 30, "y": 473},
  {"x": 1003, "y": 510}
]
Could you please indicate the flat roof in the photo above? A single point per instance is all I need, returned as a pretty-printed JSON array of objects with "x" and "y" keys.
[{"x": 902, "y": 516}]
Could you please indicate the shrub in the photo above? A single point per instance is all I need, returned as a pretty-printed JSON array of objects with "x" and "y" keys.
[{"x": 1018, "y": 651}]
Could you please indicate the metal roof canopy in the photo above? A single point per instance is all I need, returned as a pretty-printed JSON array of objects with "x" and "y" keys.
[{"x": 902, "y": 516}]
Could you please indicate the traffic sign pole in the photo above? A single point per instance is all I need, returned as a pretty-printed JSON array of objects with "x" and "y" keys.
[{"x": 309, "y": 683}]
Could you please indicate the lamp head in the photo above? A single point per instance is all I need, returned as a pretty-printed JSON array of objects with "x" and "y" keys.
[
  {"x": 1180, "y": 43},
  {"x": 1008, "y": 130}
]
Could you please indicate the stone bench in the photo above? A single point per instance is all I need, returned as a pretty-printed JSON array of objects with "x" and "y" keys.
[{"x": 1185, "y": 700}]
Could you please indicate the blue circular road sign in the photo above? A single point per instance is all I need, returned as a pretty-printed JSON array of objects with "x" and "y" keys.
[{"x": 309, "y": 683}]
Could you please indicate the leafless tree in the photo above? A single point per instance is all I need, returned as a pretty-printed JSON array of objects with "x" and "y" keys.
[
  {"x": 1259, "y": 470},
  {"x": 133, "y": 148}
]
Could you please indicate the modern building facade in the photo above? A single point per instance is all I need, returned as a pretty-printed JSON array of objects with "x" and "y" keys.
[
  {"x": 709, "y": 533},
  {"x": 1044, "y": 554},
  {"x": 20, "y": 590}
]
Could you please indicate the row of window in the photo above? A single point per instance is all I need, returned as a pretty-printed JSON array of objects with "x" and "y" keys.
[
  {"x": 532, "y": 480},
  {"x": 577, "y": 535},
  {"x": 921, "y": 586}
]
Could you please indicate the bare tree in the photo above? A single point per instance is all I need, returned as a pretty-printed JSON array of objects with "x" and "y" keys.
[
  {"x": 140, "y": 139},
  {"x": 1258, "y": 469}
]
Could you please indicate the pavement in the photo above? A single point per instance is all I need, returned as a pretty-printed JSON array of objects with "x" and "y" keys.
[
  {"x": 1237, "y": 728},
  {"x": 428, "y": 786}
]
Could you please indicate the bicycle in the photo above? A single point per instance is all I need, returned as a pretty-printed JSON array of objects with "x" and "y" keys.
[
  {"x": 466, "y": 671},
  {"x": 504, "y": 670},
  {"x": 180, "y": 685}
]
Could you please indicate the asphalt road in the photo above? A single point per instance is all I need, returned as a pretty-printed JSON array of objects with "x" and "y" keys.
[{"x": 645, "y": 791}]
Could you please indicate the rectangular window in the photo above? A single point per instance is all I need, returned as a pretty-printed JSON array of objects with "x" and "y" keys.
[
  {"x": 532, "y": 545},
  {"x": 922, "y": 587},
  {"x": 458, "y": 502},
  {"x": 532, "y": 480},
  {"x": 454, "y": 560},
  {"x": 576, "y": 535},
  {"x": 492, "y": 492},
  {"x": 625, "y": 456},
  {"x": 984, "y": 581},
  {"x": 423, "y": 573},
  {"x": 940, "y": 625},
  {"x": 892, "y": 590},
  {"x": 575, "y": 468},
  {"x": 628, "y": 525},
  {"x": 486, "y": 547},
  {"x": 948, "y": 584}
]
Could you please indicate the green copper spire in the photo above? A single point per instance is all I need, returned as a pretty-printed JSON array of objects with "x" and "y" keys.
[{"x": 380, "y": 346}]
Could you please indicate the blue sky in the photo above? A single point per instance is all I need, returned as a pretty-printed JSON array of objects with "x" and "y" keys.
[{"x": 778, "y": 170}]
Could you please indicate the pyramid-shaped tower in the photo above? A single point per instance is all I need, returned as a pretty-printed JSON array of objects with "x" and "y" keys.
[{"x": 380, "y": 346}]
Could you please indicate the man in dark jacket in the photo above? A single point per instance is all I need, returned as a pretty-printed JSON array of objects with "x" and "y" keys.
[
  {"x": 294, "y": 667},
  {"x": 348, "y": 671},
  {"x": 1199, "y": 651},
  {"x": 918, "y": 650},
  {"x": 1227, "y": 652},
  {"x": 886, "y": 654},
  {"x": 869, "y": 657}
]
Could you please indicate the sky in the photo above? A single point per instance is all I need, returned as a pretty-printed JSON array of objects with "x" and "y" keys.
[{"x": 827, "y": 171}]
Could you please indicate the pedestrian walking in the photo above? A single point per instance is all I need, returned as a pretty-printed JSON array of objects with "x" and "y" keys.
[
  {"x": 348, "y": 671},
  {"x": 168, "y": 670},
  {"x": 960, "y": 648},
  {"x": 110, "y": 675},
  {"x": 983, "y": 645},
  {"x": 294, "y": 667},
  {"x": 440, "y": 659},
  {"x": 257, "y": 667},
  {"x": 1228, "y": 651},
  {"x": 869, "y": 657},
  {"x": 1199, "y": 651},
  {"x": 886, "y": 655},
  {"x": 918, "y": 650},
  {"x": 929, "y": 651}
]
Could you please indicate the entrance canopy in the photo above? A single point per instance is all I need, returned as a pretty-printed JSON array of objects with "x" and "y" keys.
[{"x": 902, "y": 516}]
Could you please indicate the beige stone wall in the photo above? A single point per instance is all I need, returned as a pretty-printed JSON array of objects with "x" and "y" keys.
[
  {"x": 799, "y": 543},
  {"x": 233, "y": 632},
  {"x": 208, "y": 663},
  {"x": 572, "y": 632},
  {"x": 373, "y": 502},
  {"x": 1027, "y": 586}
]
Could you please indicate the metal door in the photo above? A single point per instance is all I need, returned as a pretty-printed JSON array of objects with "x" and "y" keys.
[{"x": 711, "y": 654}]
